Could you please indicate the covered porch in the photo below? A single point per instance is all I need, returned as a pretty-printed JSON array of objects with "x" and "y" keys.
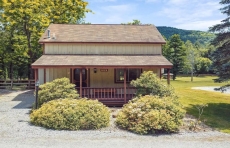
[{"x": 105, "y": 78}]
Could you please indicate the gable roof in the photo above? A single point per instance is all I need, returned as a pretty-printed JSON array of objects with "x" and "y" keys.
[{"x": 102, "y": 33}]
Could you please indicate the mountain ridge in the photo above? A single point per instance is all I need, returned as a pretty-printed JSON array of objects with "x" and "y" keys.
[{"x": 194, "y": 36}]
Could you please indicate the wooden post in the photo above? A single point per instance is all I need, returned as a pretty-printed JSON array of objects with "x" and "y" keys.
[
  {"x": 44, "y": 75},
  {"x": 124, "y": 85},
  {"x": 160, "y": 74},
  {"x": 80, "y": 82},
  {"x": 168, "y": 76},
  {"x": 71, "y": 80},
  {"x": 29, "y": 87},
  {"x": 11, "y": 84},
  {"x": 36, "y": 75},
  {"x": 72, "y": 77}
]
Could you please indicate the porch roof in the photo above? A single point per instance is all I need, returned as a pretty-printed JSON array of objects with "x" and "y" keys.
[{"x": 102, "y": 61}]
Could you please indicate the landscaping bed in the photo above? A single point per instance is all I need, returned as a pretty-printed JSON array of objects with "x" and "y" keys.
[{"x": 16, "y": 131}]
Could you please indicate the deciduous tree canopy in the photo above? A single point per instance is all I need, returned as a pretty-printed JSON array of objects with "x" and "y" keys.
[{"x": 24, "y": 21}]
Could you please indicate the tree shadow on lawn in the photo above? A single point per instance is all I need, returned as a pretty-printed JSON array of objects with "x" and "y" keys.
[
  {"x": 216, "y": 115},
  {"x": 26, "y": 100}
]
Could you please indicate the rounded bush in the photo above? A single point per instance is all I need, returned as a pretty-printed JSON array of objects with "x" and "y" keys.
[
  {"x": 150, "y": 84},
  {"x": 57, "y": 89},
  {"x": 71, "y": 114},
  {"x": 151, "y": 114}
]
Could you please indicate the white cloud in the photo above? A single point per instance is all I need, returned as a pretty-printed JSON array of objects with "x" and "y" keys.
[
  {"x": 177, "y": 2},
  {"x": 118, "y": 13},
  {"x": 120, "y": 8},
  {"x": 150, "y": 1},
  {"x": 184, "y": 12}
]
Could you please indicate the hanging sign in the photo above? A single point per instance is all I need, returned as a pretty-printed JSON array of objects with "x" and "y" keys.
[{"x": 104, "y": 70}]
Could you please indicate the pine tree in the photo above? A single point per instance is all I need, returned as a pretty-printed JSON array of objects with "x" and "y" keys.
[
  {"x": 221, "y": 56},
  {"x": 175, "y": 53}
]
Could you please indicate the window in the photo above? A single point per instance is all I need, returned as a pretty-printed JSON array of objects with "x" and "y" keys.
[{"x": 131, "y": 74}]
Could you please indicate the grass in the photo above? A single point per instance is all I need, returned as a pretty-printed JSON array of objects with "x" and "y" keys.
[{"x": 217, "y": 114}]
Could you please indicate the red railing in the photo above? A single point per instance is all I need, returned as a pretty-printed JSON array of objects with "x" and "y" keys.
[{"x": 106, "y": 93}]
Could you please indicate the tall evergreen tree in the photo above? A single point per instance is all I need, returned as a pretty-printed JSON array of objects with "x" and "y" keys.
[
  {"x": 175, "y": 53},
  {"x": 221, "y": 56}
]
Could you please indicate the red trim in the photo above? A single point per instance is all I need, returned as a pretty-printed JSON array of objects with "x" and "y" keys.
[
  {"x": 71, "y": 80},
  {"x": 114, "y": 75},
  {"x": 43, "y": 42},
  {"x": 160, "y": 73},
  {"x": 80, "y": 82},
  {"x": 88, "y": 73},
  {"x": 101, "y": 66},
  {"x": 125, "y": 71}
]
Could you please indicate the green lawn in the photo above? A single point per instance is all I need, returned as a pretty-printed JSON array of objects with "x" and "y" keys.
[{"x": 217, "y": 114}]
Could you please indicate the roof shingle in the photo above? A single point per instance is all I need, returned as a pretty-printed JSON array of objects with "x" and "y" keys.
[
  {"x": 103, "y": 33},
  {"x": 101, "y": 60}
]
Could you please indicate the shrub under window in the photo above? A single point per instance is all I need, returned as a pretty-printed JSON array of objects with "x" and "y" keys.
[{"x": 57, "y": 89}]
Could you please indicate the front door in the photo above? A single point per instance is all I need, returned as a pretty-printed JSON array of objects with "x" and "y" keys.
[{"x": 77, "y": 77}]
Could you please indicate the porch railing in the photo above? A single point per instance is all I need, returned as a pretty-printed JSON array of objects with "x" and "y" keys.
[{"x": 105, "y": 93}]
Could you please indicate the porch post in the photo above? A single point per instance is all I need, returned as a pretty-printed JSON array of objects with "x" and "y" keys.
[
  {"x": 71, "y": 75},
  {"x": 125, "y": 85},
  {"x": 71, "y": 81},
  {"x": 168, "y": 76},
  {"x": 44, "y": 75},
  {"x": 160, "y": 74},
  {"x": 80, "y": 82},
  {"x": 35, "y": 75}
]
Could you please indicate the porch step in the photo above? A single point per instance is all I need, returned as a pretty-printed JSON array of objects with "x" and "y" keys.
[{"x": 113, "y": 103}]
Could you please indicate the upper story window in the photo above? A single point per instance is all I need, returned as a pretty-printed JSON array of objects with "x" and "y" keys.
[{"x": 131, "y": 74}]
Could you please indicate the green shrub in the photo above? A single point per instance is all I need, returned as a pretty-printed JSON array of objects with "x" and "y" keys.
[
  {"x": 151, "y": 114},
  {"x": 71, "y": 114},
  {"x": 57, "y": 89},
  {"x": 149, "y": 83}
]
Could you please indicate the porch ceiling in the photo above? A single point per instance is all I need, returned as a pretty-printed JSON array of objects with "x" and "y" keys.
[{"x": 102, "y": 61}]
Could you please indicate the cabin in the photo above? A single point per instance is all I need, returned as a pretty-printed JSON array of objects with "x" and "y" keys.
[{"x": 101, "y": 60}]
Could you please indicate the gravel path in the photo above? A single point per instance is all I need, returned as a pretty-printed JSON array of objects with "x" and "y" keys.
[{"x": 16, "y": 131}]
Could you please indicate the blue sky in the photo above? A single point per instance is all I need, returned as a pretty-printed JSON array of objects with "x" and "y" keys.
[{"x": 184, "y": 14}]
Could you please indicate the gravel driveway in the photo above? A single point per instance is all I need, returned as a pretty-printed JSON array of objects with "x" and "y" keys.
[{"x": 16, "y": 131}]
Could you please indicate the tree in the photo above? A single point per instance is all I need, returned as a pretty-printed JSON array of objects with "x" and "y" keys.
[
  {"x": 191, "y": 59},
  {"x": 221, "y": 56},
  {"x": 28, "y": 19},
  {"x": 203, "y": 65},
  {"x": 175, "y": 53},
  {"x": 135, "y": 22}
]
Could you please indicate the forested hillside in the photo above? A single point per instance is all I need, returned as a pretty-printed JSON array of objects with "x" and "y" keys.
[{"x": 193, "y": 36}]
